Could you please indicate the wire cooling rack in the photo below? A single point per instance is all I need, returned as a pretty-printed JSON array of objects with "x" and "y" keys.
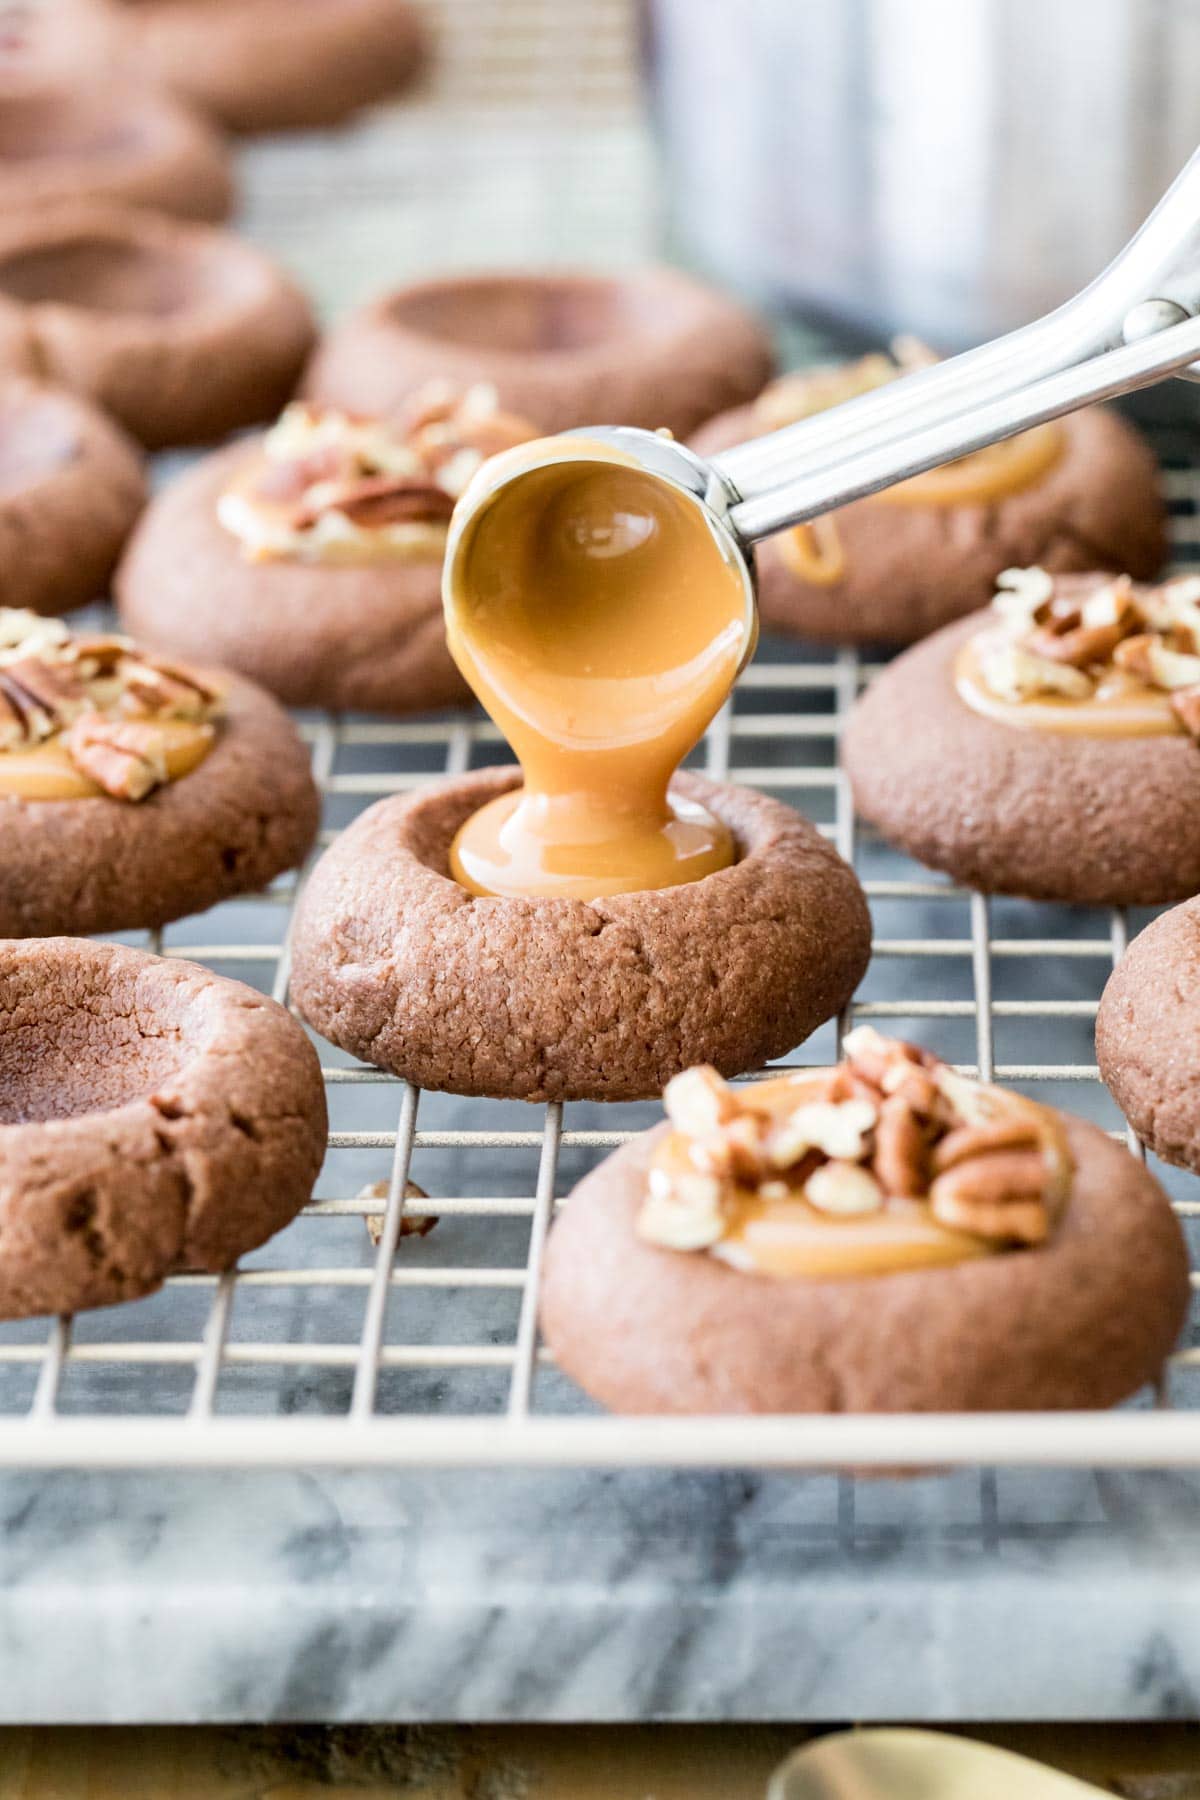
[{"x": 325, "y": 1348}]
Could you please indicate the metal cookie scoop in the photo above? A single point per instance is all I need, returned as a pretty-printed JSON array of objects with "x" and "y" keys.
[
  {"x": 1136, "y": 323},
  {"x": 917, "y": 1765}
]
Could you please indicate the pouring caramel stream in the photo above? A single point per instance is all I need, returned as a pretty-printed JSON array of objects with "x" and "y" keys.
[{"x": 601, "y": 622}]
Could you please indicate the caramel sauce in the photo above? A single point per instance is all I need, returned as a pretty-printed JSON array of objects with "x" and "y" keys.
[
  {"x": 1121, "y": 706},
  {"x": 984, "y": 476},
  {"x": 814, "y": 551},
  {"x": 45, "y": 771},
  {"x": 788, "y": 1238},
  {"x": 601, "y": 622},
  {"x": 791, "y": 1239}
]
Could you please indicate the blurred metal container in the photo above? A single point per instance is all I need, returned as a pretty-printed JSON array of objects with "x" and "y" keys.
[{"x": 948, "y": 167}]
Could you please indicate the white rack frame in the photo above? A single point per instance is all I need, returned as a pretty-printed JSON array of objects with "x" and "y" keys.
[{"x": 520, "y": 1433}]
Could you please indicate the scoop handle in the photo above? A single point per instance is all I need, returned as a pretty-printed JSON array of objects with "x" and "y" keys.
[{"x": 1133, "y": 325}]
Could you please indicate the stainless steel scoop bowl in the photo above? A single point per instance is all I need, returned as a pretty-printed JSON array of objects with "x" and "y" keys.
[{"x": 1136, "y": 323}]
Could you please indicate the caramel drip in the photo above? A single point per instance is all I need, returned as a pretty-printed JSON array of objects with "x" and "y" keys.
[
  {"x": 601, "y": 623},
  {"x": 1120, "y": 706},
  {"x": 46, "y": 772},
  {"x": 815, "y": 552}
]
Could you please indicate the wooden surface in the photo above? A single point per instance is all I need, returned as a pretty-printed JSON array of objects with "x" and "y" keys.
[{"x": 518, "y": 1763}]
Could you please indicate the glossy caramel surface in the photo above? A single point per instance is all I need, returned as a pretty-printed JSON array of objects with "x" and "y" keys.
[{"x": 601, "y": 623}]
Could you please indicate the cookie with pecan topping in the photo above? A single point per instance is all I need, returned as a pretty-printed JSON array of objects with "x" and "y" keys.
[
  {"x": 884, "y": 1236},
  {"x": 134, "y": 790},
  {"x": 311, "y": 558},
  {"x": 1080, "y": 493},
  {"x": 1068, "y": 713}
]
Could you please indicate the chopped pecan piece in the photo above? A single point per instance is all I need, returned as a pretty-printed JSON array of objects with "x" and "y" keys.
[
  {"x": 1113, "y": 604},
  {"x": 1014, "y": 673},
  {"x": 412, "y": 1224},
  {"x": 1023, "y": 594},
  {"x": 284, "y": 483},
  {"x": 837, "y": 1129},
  {"x": 843, "y": 1188},
  {"x": 127, "y": 758},
  {"x": 1148, "y": 658},
  {"x": 1080, "y": 646},
  {"x": 874, "y": 1057},
  {"x": 698, "y": 1101},
  {"x": 682, "y": 1211}
]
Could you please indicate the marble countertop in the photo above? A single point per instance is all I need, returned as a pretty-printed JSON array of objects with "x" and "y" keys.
[{"x": 622, "y": 1597}]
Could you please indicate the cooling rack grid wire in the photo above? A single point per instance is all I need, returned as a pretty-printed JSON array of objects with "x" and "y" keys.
[{"x": 328, "y": 1348}]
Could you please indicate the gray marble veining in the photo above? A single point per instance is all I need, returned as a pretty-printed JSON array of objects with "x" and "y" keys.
[{"x": 587, "y": 1597}]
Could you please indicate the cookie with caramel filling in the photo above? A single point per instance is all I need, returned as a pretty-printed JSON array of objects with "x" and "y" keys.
[
  {"x": 1080, "y": 493},
  {"x": 888, "y": 1236},
  {"x": 550, "y": 998},
  {"x": 310, "y": 559},
  {"x": 1067, "y": 715},
  {"x": 134, "y": 790}
]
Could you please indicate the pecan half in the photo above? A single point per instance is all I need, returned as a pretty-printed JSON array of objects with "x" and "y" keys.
[
  {"x": 37, "y": 720},
  {"x": 53, "y": 687},
  {"x": 901, "y": 1159},
  {"x": 128, "y": 759},
  {"x": 1011, "y": 1133},
  {"x": 381, "y": 500},
  {"x": 998, "y": 1195},
  {"x": 94, "y": 656},
  {"x": 12, "y": 723},
  {"x": 163, "y": 690}
]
